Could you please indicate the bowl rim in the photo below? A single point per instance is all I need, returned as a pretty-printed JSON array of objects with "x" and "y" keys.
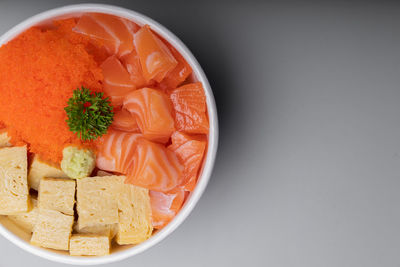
[{"x": 212, "y": 142}]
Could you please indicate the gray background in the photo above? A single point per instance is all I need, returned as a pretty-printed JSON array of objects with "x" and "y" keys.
[{"x": 308, "y": 169}]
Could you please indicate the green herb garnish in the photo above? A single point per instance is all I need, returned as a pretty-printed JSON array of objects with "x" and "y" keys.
[{"x": 89, "y": 114}]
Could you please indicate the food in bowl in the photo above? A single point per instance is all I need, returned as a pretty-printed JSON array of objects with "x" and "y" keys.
[{"x": 103, "y": 133}]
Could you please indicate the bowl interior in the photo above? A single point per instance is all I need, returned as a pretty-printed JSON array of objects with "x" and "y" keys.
[{"x": 20, "y": 237}]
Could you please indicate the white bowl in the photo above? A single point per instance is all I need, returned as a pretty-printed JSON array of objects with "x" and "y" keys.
[{"x": 20, "y": 238}]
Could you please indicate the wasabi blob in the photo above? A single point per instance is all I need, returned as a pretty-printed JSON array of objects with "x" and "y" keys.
[{"x": 77, "y": 162}]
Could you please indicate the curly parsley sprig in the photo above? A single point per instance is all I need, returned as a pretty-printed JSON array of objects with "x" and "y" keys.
[{"x": 89, "y": 114}]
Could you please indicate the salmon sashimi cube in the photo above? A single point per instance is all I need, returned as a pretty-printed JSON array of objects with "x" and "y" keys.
[
  {"x": 154, "y": 167},
  {"x": 117, "y": 81},
  {"x": 88, "y": 26},
  {"x": 153, "y": 113},
  {"x": 179, "y": 74},
  {"x": 125, "y": 121},
  {"x": 164, "y": 206},
  {"x": 190, "y": 151},
  {"x": 190, "y": 107},
  {"x": 116, "y": 150},
  {"x": 116, "y": 33},
  {"x": 132, "y": 64},
  {"x": 155, "y": 57}
]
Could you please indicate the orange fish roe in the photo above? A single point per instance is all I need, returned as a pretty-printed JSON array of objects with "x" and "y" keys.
[{"x": 39, "y": 70}]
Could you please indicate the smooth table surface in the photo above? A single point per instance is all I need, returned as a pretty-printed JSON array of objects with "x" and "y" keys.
[{"x": 308, "y": 170}]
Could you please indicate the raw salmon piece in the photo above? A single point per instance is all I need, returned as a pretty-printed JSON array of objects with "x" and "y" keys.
[
  {"x": 117, "y": 81},
  {"x": 152, "y": 111},
  {"x": 120, "y": 29},
  {"x": 88, "y": 26},
  {"x": 164, "y": 206},
  {"x": 155, "y": 57},
  {"x": 190, "y": 151},
  {"x": 179, "y": 74},
  {"x": 115, "y": 32},
  {"x": 154, "y": 167},
  {"x": 190, "y": 106},
  {"x": 115, "y": 151},
  {"x": 125, "y": 121},
  {"x": 132, "y": 64}
]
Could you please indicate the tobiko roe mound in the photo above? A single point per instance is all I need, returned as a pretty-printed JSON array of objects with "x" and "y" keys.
[{"x": 39, "y": 70}]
